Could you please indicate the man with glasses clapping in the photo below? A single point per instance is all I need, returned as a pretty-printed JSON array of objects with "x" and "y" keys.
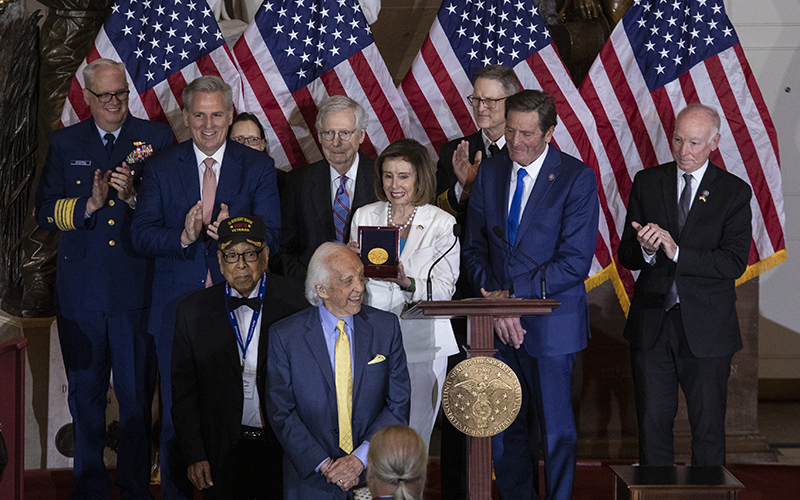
[{"x": 88, "y": 192}]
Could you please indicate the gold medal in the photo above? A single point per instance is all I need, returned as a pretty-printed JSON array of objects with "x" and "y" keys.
[
  {"x": 481, "y": 396},
  {"x": 378, "y": 256}
]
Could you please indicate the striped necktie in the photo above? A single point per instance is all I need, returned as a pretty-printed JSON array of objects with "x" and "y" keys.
[{"x": 341, "y": 209}]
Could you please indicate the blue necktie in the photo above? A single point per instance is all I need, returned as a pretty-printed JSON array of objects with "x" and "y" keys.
[
  {"x": 516, "y": 205},
  {"x": 341, "y": 209}
]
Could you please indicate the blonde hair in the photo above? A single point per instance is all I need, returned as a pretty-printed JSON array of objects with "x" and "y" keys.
[{"x": 397, "y": 457}]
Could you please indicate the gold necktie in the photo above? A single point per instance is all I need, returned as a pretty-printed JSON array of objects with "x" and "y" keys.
[{"x": 344, "y": 389}]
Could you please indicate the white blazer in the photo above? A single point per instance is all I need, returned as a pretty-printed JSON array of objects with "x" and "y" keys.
[{"x": 430, "y": 236}]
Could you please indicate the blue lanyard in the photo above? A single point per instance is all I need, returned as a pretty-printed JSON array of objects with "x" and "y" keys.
[{"x": 253, "y": 321}]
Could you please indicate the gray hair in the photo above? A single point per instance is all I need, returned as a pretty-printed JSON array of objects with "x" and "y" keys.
[
  {"x": 208, "y": 84},
  {"x": 502, "y": 74},
  {"x": 397, "y": 457},
  {"x": 318, "y": 271},
  {"x": 707, "y": 110},
  {"x": 338, "y": 103},
  {"x": 90, "y": 69}
]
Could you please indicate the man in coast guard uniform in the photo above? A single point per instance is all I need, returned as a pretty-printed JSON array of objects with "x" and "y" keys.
[
  {"x": 186, "y": 192},
  {"x": 88, "y": 191}
]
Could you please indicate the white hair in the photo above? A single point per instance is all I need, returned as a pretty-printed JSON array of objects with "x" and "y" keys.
[
  {"x": 318, "y": 270},
  {"x": 90, "y": 69}
]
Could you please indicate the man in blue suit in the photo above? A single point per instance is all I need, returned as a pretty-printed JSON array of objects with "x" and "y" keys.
[
  {"x": 88, "y": 191},
  {"x": 205, "y": 179},
  {"x": 544, "y": 203},
  {"x": 336, "y": 375}
]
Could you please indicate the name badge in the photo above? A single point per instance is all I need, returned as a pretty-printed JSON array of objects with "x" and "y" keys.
[
  {"x": 81, "y": 163},
  {"x": 249, "y": 380}
]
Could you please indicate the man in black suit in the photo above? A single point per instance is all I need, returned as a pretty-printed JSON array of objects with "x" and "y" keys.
[
  {"x": 318, "y": 200},
  {"x": 218, "y": 389},
  {"x": 459, "y": 159},
  {"x": 682, "y": 326}
]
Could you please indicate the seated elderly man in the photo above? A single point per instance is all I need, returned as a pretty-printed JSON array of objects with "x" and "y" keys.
[
  {"x": 219, "y": 368},
  {"x": 336, "y": 375}
]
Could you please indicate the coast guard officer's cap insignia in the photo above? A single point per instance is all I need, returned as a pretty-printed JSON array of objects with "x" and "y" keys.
[
  {"x": 248, "y": 229},
  {"x": 551, "y": 176}
]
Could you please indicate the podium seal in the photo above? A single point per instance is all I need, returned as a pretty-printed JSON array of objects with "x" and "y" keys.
[{"x": 481, "y": 396}]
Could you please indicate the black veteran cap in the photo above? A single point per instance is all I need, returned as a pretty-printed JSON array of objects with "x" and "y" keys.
[{"x": 247, "y": 229}]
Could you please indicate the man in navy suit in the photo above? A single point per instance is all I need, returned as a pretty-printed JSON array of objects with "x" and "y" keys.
[
  {"x": 187, "y": 191},
  {"x": 336, "y": 375},
  {"x": 683, "y": 330},
  {"x": 544, "y": 203},
  {"x": 319, "y": 200},
  {"x": 458, "y": 164},
  {"x": 88, "y": 190}
]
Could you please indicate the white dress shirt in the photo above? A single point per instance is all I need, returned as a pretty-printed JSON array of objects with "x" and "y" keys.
[
  {"x": 350, "y": 186},
  {"x": 527, "y": 183},
  {"x": 251, "y": 411}
]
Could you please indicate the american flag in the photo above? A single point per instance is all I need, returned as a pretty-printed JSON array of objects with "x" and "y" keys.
[
  {"x": 470, "y": 34},
  {"x": 165, "y": 44},
  {"x": 297, "y": 53},
  {"x": 661, "y": 56}
]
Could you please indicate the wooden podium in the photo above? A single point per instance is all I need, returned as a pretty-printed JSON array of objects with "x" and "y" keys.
[{"x": 481, "y": 314}]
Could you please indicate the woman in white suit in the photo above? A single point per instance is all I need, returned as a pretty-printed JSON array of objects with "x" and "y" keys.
[{"x": 405, "y": 183}]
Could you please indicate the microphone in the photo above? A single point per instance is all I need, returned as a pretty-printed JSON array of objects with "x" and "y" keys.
[
  {"x": 456, "y": 233},
  {"x": 499, "y": 233}
]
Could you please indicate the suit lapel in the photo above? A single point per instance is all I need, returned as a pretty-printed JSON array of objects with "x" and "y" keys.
[
  {"x": 271, "y": 311},
  {"x": 669, "y": 186},
  {"x": 551, "y": 168},
  {"x": 503, "y": 179},
  {"x": 315, "y": 338},
  {"x": 423, "y": 218},
  {"x": 187, "y": 174},
  {"x": 230, "y": 174},
  {"x": 363, "y": 341},
  {"x": 320, "y": 194},
  {"x": 221, "y": 325},
  {"x": 698, "y": 206},
  {"x": 364, "y": 184},
  {"x": 124, "y": 143}
]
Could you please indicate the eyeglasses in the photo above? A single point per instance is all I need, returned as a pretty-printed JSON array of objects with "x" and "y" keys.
[
  {"x": 248, "y": 141},
  {"x": 489, "y": 103},
  {"x": 105, "y": 97},
  {"x": 344, "y": 135},
  {"x": 233, "y": 257}
]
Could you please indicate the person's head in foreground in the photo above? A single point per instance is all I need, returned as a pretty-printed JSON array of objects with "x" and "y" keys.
[{"x": 397, "y": 464}]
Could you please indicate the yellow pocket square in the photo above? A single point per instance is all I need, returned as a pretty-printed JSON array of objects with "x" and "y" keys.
[{"x": 377, "y": 359}]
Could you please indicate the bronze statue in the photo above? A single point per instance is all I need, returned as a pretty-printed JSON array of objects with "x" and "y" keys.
[
  {"x": 68, "y": 33},
  {"x": 582, "y": 28}
]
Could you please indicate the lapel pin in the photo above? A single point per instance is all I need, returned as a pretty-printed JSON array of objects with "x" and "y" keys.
[
  {"x": 551, "y": 176},
  {"x": 420, "y": 227},
  {"x": 703, "y": 195}
]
